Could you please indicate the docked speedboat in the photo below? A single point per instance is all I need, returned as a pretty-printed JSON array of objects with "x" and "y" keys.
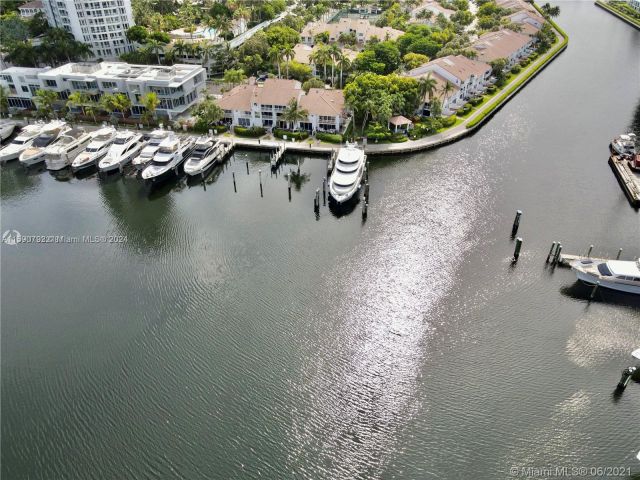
[
  {"x": 6, "y": 128},
  {"x": 624, "y": 144},
  {"x": 634, "y": 162},
  {"x": 19, "y": 144},
  {"x": 205, "y": 154},
  {"x": 101, "y": 140},
  {"x": 171, "y": 154},
  {"x": 146, "y": 155},
  {"x": 620, "y": 275},
  {"x": 49, "y": 134},
  {"x": 63, "y": 151},
  {"x": 125, "y": 148},
  {"x": 347, "y": 173}
]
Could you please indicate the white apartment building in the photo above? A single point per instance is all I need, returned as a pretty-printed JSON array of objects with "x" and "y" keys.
[
  {"x": 21, "y": 84},
  {"x": 262, "y": 105},
  {"x": 361, "y": 28},
  {"x": 467, "y": 77},
  {"x": 101, "y": 24},
  {"x": 178, "y": 86},
  {"x": 634, "y": 4},
  {"x": 505, "y": 43},
  {"x": 29, "y": 9}
]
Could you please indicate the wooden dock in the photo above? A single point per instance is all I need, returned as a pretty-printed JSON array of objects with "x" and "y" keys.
[
  {"x": 566, "y": 259},
  {"x": 629, "y": 179},
  {"x": 277, "y": 156}
]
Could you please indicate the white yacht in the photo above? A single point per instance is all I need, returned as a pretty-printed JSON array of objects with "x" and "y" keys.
[
  {"x": 171, "y": 153},
  {"x": 346, "y": 177},
  {"x": 19, "y": 144},
  {"x": 205, "y": 154},
  {"x": 618, "y": 275},
  {"x": 48, "y": 135},
  {"x": 146, "y": 155},
  {"x": 125, "y": 148},
  {"x": 101, "y": 140},
  {"x": 6, "y": 128},
  {"x": 624, "y": 144},
  {"x": 60, "y": 154}
]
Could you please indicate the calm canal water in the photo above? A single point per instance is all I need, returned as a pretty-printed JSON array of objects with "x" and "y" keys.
[{"x": 233, "y": 336}]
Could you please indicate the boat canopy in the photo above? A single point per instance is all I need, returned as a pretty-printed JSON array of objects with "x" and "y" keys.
[{"x": 624, "y": 268}]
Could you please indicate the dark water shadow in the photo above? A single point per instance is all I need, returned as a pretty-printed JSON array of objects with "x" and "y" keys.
[{"x": 582, "y": 292}]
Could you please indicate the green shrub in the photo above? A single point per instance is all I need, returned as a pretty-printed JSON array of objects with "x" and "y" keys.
[
  {"x": 329, "y": 137},
  {"x": 447, "y": 122},
  {"x": 525, "y": 62},
  {"x": 516, "y": 69},
  {"x": 280, "y": 132},
  {"x": 476, "y": 101},
  {"x": 377, "y": 133},
  {"x": 427, "y": 126},
  {"x": 203, "y": 127},
  {"x": 253, "y": 132},
  {"x": 492, "y": 89},
  {"x": 398, "y": 138},
  {"x": 533, "y": 56}
]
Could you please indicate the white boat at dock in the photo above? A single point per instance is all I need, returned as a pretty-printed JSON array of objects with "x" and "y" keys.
[
  {"x": 620, "y": 275},
  {"x": 61, "y": 153},
  {"x": 6, "y": 128},
  {"x": 125, "y": 148},
  {"x": 624, "y": 144},
  {"x": 101, "y": 140},
  {"x": 19, "y": 144},
  {"x": 47, "y": 136},
  {"x": 146, "y": 155},
  {"x": 204, "y": 155},
  {"x": 171, "y": 154},
  {"x": 346, "y": 177}
]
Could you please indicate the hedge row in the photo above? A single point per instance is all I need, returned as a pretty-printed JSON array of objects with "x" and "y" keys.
[
  {"x": 280, "y": 133},
  {"x": 253, "y": 132},
  {"x": 329, "y": 137}
]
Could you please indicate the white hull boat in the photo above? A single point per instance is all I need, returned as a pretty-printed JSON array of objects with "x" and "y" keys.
[
  {"x": 624, "y": 144},
  {"x": 204, "y": 155},
  {"x": 47, "y": 136},
  {"x": 146, "y": 155},
  {"x": 124, "y": 149},
  {"x": 346, "y": 177},
  {"x": 101, "y": 140},
  {"x": 6, "y": 129},
  {"x": 66, "y": 149},
  {"x": 171, "y": 154},
  {"x": 620, "y": 275},
  {"x": 19, "y": 144}
]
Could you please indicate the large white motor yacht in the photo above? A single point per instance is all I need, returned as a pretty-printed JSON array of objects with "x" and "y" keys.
[
  {"x": 101, "y": 140},
  {"x": 6, "y": 128},
  {"x": 618, "y": 275},
  {"x": 19, "y": 144},
  {"x": 125, "y": 148},
  {"x": 172, "y": 152},
  {"x": 205, "y": 154},
  {"x": 346, "y": 177},
  {"x": 624, "y": 144},
  {"x": 146, "y": 155},
  {"x": 60, "y": 154},
  {"x": 49, "y": 134}
]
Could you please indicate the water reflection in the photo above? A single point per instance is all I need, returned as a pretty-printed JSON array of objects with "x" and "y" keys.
[{"x": 17, "y": 182}]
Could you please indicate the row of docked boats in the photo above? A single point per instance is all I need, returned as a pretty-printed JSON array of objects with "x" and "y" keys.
[{"x": 157, "y": 156}]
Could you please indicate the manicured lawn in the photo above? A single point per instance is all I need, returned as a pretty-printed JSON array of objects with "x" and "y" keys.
[{"x": 621, "y": 9}]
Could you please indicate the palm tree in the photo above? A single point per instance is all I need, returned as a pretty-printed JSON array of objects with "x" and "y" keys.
[
  {"x": 23, "y": 54},
  {"x": 234, "y": 77},
  {"x": 275, "y": 55},
  {"x": 82, "y": 51},
  {"x": 78, "y": 99},
  {"x": 150, "y": 102},
  {"x": 345, "y": 64},
  {"x": 156, "y": 47},
  {"x": 122, "y": 102},
  {"x": 107, "y": 103},
  {"x": 294, "y": 113},
  {"x": 446, "y": 90},
  {"x": 334, "y": 53},
  {"x": 207, "y": 49},
  {"x": 44, "y": 100},
  {"x": 180, "y": 48},
  {"x": 427, "y": 86},
  {"x": 288, "y": 53}
]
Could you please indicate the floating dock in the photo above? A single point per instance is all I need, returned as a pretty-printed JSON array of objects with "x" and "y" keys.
[
  {"x": 566, "y": 259},
  {"x": 629, "y": 179}
]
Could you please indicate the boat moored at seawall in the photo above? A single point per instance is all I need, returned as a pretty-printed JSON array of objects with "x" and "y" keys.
[
  {"x": 624, "y": 144},
  {"x": 60, "y": 154},
  {"x": 146, "y": 155},
  {"x": 620, "y": 275},
  {"x": 125, "y": 148},
  {"x": 204, "y": 155},
  {"x": 166, "y": 162},
  {"x": 101, "y": 140},
  {"x": 47, "y": 136},
  {"x": 20, "y": 143},
  {"x": 346, "y": 176}
]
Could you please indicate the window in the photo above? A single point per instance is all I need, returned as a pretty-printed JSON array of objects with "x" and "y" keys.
[
  {"x": 109, "y": 84},
  {"x": 25, "y": 88},
  {"x": 244, "y": 122}
]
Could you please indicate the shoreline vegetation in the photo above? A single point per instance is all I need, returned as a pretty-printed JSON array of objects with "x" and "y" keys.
[{"x": 620, "y": 12}]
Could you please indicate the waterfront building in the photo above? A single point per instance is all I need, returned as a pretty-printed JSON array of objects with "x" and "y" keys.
[
  {"x": 516, "y": 5},
  {"x": 530, "y": 22},
  {"x": 431, "y": 6},
  {"x": 303, "y": 54},
  {"x": 467, "y": 77},
  {"x": 261, "y": 104},
  {"x": 363, "y": 30},
  {"x": 29, "y": 9},
  {"x": 21, "y": 84},
  {"x": 634, "y": 4},
  {"x": 505, "y": 43},
  {"x": 100, "y": 24},
  {"x": 177, "y": 86}
]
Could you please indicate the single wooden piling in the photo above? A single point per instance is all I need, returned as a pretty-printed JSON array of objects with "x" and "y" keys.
[
  {"x": 589, "y": 251},
  {"x": 247, "y": 167},
  {"x": 619, "y": 253},
  {"x": 233, "y": 174},
  {"x": 593, "y": 291},
  {"x": 550, "y": 254},
  {"x": 516, "y": 223},
  {"x": 260, "y": 177},
  {"x": 516, "y": 252},
  {"x": 556, "y": 257},
  {"x": 365, "y": 207}
]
